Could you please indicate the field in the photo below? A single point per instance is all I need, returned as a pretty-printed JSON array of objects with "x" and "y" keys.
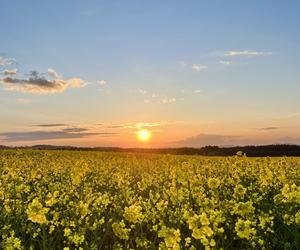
[{"x": 92, "y": 200}]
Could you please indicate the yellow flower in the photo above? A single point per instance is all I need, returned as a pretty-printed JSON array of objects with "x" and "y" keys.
[
  {"x": 213, "y": 182},
  {"x": 202, "y": 233},
  {"x": 243, "y": 208},
  {"x": 244, "y": 229},
  {"x": 12, "y": 243},
  {"x": 297, "y": 218},
  {"x": 52, "y": 199},
  {"x": 133, "y": 213},
  {"x": 171, "y": 237},
  {"x": 51, "y": 229},
  {"x": 239, "y": 190},
  {"x": 36, "y": 212},
  {"x": 120, "y": 230},
  {"x": 77, "y": 239},
  {"x": 67, "y": 232},
  {"x": 203, "y": 219}
]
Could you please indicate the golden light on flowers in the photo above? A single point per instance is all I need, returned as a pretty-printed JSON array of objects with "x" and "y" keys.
[{"x": 144, "y": 135}]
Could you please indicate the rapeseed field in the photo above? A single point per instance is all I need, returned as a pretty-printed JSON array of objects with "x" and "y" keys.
[{"x": 93, "y": 200}]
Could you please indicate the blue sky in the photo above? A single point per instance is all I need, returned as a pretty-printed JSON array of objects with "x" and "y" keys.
[{"x": 197, "y": 70}]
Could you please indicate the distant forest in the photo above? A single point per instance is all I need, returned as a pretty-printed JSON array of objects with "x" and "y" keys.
[{"x": 252, "y": 151}]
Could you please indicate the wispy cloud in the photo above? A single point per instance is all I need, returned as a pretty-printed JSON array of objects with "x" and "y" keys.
[
  {"x": 102, "y": 82},
  {"x": 199, "y": 67},
  {"x": 246, "y": 53},
  {"x": 182, "y": 64},
  {"x": 75, "y": 130},
  {"x": 56, "y": 131},
  {"x": 36, "y": 84},
  {"x": 53, "y": 73},
  {"x": 10, "y": 71},
  {"x": 141, "y": 125},
  {"x": 47, "y": 135},
  {"x": 142, "y": 91},
  {"x": 225, "y": 62},
  {"x": 97, "y": 128},
  {"x": 51, "y": 125},
  {"x": 5, "y": 61},
  {"x": 167, "y": 100},
  {"x": 51, "y": 131},
  {"x": 269, "y": 128}
]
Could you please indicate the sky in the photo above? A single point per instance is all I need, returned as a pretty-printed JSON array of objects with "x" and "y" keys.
[{"x": 192, "y": 73}]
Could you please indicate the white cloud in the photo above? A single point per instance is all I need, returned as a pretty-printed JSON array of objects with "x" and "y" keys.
[
  {"x": 246, "y": 53},
  {"x": 53, "y": 73},
  {"x": 142, "y": 91},
  {"x": 10, "y": 71},
  {"x": 199, "y": 67},
  {"x": 225, "y": 62},
  {"x": 4, "y": 61},
  {"x": 39, "y": 85},
  {"x": 102, "y": 82},
  {"x": 75, "y": 83},
  {"x": 167, "y": 100}
]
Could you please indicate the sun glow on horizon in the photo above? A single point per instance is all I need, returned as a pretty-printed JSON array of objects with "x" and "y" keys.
[{"x": 144, "y": 135}]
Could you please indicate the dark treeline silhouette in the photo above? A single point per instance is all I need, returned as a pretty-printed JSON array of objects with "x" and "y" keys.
[{"x": 252, "y": 151}]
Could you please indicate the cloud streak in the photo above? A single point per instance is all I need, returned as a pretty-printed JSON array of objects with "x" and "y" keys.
[
  {"x": 225, "y": 62},
  {"x": 96, "y": 127},
  {"x": 246, "y": 53},
  {"x": 199, "y": 67},
  {"x": 75, "y": 130},
  {"x": 167, "y": 100},
  {"x": 141, "y": 125},
  {"x": 46, "y": 135},
  {"x": 102, "y": 82},
  {"x": 51, "y": 125},
  {"x": 269, "y": 128},
  {"x": 142, "y": 91}
]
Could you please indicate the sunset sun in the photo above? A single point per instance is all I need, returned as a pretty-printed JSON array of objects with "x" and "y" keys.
[{"x": 144, "y": 135}]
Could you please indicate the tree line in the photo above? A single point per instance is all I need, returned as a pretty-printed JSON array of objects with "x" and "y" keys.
[{"x": 251, "y": 151}]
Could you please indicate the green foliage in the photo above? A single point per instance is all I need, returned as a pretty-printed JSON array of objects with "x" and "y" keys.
[{"x": 92, "y": 200}]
